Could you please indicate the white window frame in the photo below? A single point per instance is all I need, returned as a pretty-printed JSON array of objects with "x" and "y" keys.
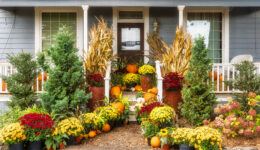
[
  {"x": 225, "y": 25},
  {"x": 145, "y": 20},
  {"x": 38, "y": 25}
]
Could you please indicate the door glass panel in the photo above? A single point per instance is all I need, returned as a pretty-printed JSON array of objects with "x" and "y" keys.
[{"x": 130, "y": 39}]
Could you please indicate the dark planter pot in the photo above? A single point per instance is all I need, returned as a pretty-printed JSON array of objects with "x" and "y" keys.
[
  {"x": 139, "y": 122},
  {"x": 146, "y": 83},
  {"x": 98, "y": 96},
  {"x": 37, "y": 145},
  {"x": 18, "y": 146},
  {"x": 70, "y": 141},
  {"x": 172, "y": 98},
  {"x": 149, "y": 141},
  {"x": 176, "y": 146},
  {"x": 118, "y": 123},
  {"x": 186, "y": 147}
]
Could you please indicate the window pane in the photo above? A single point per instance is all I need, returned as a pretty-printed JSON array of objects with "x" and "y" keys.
[
  {"x": 52, "y": 22},
  {"x": 130, "y": 15},
  {"x": 130, "y": 39},
  {"x": 208, "y": 25}
]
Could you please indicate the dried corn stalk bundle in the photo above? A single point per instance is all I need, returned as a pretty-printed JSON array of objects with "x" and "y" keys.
[
  {"x": 175, "y": 58},
  {"x": 100, "y": 49}
]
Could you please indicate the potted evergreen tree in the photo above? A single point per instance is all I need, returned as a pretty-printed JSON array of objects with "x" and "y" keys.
[{"x": 64, "y": 93}]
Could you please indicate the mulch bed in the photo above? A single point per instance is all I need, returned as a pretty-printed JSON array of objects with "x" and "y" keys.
[{"x": 120, "y": 138}]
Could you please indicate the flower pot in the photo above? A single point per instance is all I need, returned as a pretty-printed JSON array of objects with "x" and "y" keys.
[
  {"x": 172, "y": 98},
  {"x": 186, "y": 147},
  {"x": 165, "y": 147},
  {"x": 125, "y": 123},
  {"x": 98, "y": 95},
  {"x": 70, "y": 141},
  {"x": 146, "y": 83},
  {"x": 149, "y": 141},
  {"x": 78, "y": 139},
  {"x": 49, "y": 148},
  {"x": 62, "y": 146},
  {"x": 176, "y": 146},
  {"x": 18, "y": 146},
  {"x": 37, "y": 145}
]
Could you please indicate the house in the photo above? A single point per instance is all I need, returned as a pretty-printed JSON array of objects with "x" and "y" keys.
[{"x": 230, "y": 27}]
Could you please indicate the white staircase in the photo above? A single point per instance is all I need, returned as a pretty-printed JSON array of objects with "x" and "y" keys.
[{"x": 132, "y": 101}]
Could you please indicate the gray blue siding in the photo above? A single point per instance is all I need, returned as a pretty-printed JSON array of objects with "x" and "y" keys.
[
  {"x": 16, "y": 31},
  {"x": 105, "y": 12},
  {"x": 168, "y": 21},
  {"x": 245, "y": 32}
]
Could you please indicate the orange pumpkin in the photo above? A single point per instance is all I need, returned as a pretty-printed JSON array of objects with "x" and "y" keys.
[
  {"x": 155, "y": 141},
  {"x": 220, "y": 77},
  {"x": 115, "y": 91},
  {"x": 153, "y": 90},
  {"x": 215, "y": 75},
  {"x": 44, "y": 76},
  {"x": 149, "y": 96},
  {"x": 92, "y": 134},
  {"x": 3, "y": 85},
  {"x": 118, "y": 106},
  {"x": 131, "y": 68},
  {"x": 106, "y": 127},
  {"x": 123, "y": 88},
  {"x": 138, "y": 88}
]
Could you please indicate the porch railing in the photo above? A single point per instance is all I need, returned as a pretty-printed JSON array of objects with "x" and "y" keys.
[
  {"x": 107, "y": 79},
  {"x": 220, "y": 72}
]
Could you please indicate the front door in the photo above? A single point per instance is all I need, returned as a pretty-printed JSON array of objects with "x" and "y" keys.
[{"x": 131, "y": 41}]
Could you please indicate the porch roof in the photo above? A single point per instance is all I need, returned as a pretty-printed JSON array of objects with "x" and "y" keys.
[{"x": 136, "y": 3}]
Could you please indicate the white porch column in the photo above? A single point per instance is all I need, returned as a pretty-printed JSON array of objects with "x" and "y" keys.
[
  {"x": 181, "y": 8},
  {"x": 85, "y": 27}
]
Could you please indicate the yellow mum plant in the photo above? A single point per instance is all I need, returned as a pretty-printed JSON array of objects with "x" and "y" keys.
[
  {"x": 12, "y": 134},
  {"x": 181, "y": 135},
  {"x": 131, "y": 78},
  {"x": 204, "y": 138},
  {"x": 146, "y": 69},
  {"x": 70, "y": 126},
  {"x": 91, "y": 121},
  {"x": 163, "y": 115}
]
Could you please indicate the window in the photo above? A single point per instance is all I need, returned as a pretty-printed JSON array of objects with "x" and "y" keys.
[
  {"x": 208, "y": 25},
  {"x": 130, "y": 15},
  {"x": 52, "y": 22}
]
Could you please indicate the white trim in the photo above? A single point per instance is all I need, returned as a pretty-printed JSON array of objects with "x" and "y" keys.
[
  {"x": 85, "y": 28},
  {"x": 225, "y": 26},
  {"x": 38, "y": 25},
  {"x": 181, "y": 9},
  {"x": 145, "y": 20}
]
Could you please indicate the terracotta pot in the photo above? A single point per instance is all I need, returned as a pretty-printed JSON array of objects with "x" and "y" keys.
[
  {"x": 78, "y": 139},
  {"x": 146, "y": 83},
  {"x": 172, "y": 98},
  {"x": 62, "y": 146},
  {"x": 125, "y": 123},
  {"x": 98, "y": 95},
  {"x": 165, "y": 147}
]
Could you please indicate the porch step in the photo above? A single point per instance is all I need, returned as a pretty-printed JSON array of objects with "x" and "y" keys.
[{"x": 132, "y": 101}]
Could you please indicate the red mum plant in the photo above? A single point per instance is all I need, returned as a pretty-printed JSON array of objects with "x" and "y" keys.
[
  {"x": 145, "y": 110},
  {"x": 95, "y": 80},
  {"x": 37, "y": 126},
  {"x": 172, "y": 81}
]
